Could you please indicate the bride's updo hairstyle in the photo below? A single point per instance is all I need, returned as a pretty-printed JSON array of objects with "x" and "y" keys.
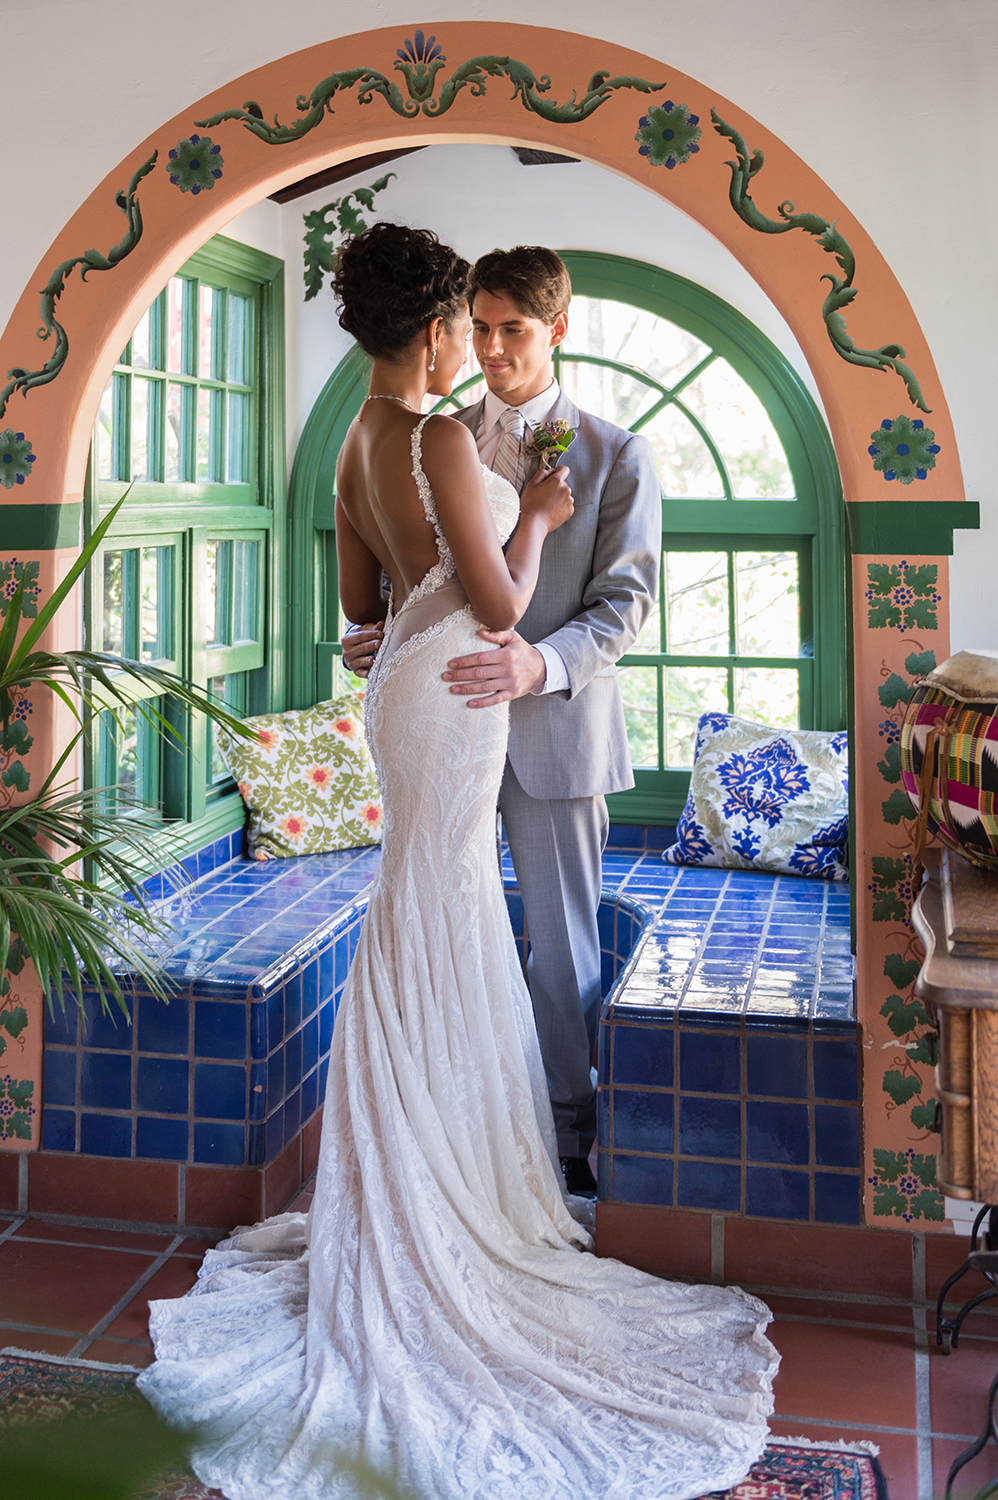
[{"x": 391, "y": 281}]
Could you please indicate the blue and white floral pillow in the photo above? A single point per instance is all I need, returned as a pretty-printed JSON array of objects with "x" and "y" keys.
[{"x": 766, "y": 799}]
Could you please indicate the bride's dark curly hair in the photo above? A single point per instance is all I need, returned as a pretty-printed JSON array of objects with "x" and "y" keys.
[{"x": 391, "y": 281}]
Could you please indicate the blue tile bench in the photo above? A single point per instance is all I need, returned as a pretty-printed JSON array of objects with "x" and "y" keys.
[{"x": 205, "y": 1112}]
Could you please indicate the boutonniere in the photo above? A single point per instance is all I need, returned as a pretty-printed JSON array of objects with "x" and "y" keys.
[{"x": 549, "y": 442}]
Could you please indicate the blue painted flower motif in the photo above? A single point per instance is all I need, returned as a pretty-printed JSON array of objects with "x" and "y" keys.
[
  {"x": 196, "y": 164},
  {"x": 716, "y": 722},
  {"x": 425, "y": 50},
  {"x": 16, "y": 458},
  {"x": 691, "y": 839},
  {"x": 903, "y": 449},
  {"x": 822, "y": 857},
  {"x": 746, "y": 843},
  {"x": 420, "y": 62},
  {"x": 762, "y": 783},
  {"x": 668, "y": 135}
]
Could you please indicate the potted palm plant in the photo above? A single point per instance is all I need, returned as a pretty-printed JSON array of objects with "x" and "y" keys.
[{"x": 72, "y": 862}]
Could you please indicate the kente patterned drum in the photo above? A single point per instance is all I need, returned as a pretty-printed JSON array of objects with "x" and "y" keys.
[{"x": 949, "y": 754}]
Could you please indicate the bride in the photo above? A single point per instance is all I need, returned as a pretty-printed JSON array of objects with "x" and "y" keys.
[{"x": 438, "y": 1315}]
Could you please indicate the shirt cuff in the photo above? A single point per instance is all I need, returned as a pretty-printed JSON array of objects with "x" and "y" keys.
[{"x": 556, "y": 679}]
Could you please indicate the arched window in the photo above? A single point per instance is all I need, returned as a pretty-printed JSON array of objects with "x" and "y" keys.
[{"x": 751, "y": 613}]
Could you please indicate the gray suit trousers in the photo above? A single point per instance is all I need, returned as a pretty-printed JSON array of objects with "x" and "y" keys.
[{"x": 556, "y": 845}]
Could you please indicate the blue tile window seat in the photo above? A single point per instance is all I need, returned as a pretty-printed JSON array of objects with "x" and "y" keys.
[
  {"x": 728, "y": 1050},
  {"x": 700, "y": 1096}
]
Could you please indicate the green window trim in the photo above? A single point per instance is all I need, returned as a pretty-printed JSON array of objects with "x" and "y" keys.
[
  {"x": 811, "y": 524},
  {"x": 236, "y": 518}
]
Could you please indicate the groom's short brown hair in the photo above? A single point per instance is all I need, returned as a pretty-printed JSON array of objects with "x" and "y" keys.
[{"x": 536, "y": 278}]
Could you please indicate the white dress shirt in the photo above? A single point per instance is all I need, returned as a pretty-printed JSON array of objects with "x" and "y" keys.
[{"x": 534, "y": 412}]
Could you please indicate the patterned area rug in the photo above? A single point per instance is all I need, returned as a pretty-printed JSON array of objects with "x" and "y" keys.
[{"x": 41, "y": 1387}]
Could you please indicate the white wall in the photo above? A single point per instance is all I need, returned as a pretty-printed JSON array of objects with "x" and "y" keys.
[{"x": 893, "y": 102}]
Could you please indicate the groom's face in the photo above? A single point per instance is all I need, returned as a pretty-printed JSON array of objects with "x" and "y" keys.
[{"x": 514, "y": 350}]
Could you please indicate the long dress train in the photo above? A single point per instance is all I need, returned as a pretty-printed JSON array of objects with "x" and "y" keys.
[{"x": 438, "y": 1315}]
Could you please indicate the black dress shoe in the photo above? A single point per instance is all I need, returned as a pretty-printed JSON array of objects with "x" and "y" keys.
[{"x": 579, "y": 1179}]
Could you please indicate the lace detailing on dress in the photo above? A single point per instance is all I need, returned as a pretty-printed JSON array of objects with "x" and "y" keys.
[{"x": 444, "y": 1322}]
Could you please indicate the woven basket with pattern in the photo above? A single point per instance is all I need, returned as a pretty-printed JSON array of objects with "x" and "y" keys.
[{"x": 949, "y": 755}]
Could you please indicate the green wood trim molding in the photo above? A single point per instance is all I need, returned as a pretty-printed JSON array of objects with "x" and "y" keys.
[
  {"x": 914, "y": 528},
  {"x": 40, "y": 528}
]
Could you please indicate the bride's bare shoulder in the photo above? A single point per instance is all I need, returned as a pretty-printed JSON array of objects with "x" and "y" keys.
[{"x": 446, "y": 439}]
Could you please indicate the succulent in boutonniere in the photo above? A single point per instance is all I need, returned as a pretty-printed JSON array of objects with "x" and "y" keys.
[{"x": 550, "y": 441}]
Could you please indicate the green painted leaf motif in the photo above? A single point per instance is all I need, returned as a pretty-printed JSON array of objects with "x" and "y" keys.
[
  {"x": 20, "y": 1092},
  {"x": 901, "y": 971},
  {"x": 3, "y": 1045},
  {"x": 921, "y": 614},
  {"x": 901, "y": 1087},
  {"x": 16, "y": 737},
  {"x": 883, "y": 577},
  {"x": 890, "y": 766},
  {"x": 903, "y": 1016},
  {"x": 887, "y": 871},
  {"x": 888, "y": 1164},
  {"x": 17, "y": 1127},
  {"x": 920, "y": 663},
  {"x": 894, "y": 691},
  {"x": 924, "y": 1168},
  {"x": 349, "y": 218},
  {"x": 887, "y": 1201},
  {"x": 888, "y": 907},
  {"x": 929, "y": 1204},
  {"x": 925, "y": 1116},
  {"x": 922, "y": 580},
  {"x": 924, "y": 1050},
  {"x": 897, "y": 807},
  {"x": 883, "y": 615},
  {"x": 17, "y": 777},
  {"x": 14, "y": 1021}
]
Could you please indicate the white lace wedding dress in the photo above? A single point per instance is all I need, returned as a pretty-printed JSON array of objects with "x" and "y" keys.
[{"x": 438, "y": 1315}]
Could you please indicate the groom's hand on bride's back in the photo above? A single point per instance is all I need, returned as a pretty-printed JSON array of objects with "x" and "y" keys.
[
  {"x": 360, "y": 646},
  {"x": 492, "y": 676}
]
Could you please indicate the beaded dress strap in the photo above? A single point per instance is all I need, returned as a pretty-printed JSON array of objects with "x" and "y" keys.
[{"x": 422, "y": 483}]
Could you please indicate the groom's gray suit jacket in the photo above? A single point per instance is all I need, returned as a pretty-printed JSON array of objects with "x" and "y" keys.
[{"x": 597, "y": 585}]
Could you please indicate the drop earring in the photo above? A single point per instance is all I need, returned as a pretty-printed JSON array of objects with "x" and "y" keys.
[{"x": 433, "y": 359}]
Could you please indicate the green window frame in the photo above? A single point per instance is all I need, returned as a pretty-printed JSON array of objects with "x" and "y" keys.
[
  {"x": 807, "y": 527},
  {"x": 191, "y": 575}
]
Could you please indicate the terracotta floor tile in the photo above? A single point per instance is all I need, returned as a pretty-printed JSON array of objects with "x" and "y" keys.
[
  {"x": 301, "y": 1205},
  {"x": 945, "y": 1253},
  {"x": 977, "y": 1473},
  {"x": 113, "y": 1352},
  {"x": 171, "y": 1280},
  {"x": 898, "y": 1453},
  {"x": 818, "y": 1256},
  {"x": 109, "y": 1239},
  {"x": 194, "y": 1249},
  {"x": 63, "y": 1286},
  {"x": 845, "y": 1374},
  {"x": 959, "y": 1383},
  {"x": 40, "y": 1343},
  {"x": 788, "y": 1306}
]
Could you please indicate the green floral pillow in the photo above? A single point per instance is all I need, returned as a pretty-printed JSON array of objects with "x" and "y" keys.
[{"x": 307, "y": 779}]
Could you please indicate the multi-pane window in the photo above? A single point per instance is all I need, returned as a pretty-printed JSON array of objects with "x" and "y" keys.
[{"x": 184, "y": 577}]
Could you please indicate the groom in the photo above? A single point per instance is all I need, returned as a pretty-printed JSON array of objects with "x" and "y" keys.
[{"x": 567, "y": 738}]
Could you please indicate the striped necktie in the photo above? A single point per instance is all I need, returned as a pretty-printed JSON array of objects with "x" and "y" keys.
[{"x": 508, "y": 460}]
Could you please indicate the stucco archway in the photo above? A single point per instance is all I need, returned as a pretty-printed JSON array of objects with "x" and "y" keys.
[{"x": 487, "y": 82}]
